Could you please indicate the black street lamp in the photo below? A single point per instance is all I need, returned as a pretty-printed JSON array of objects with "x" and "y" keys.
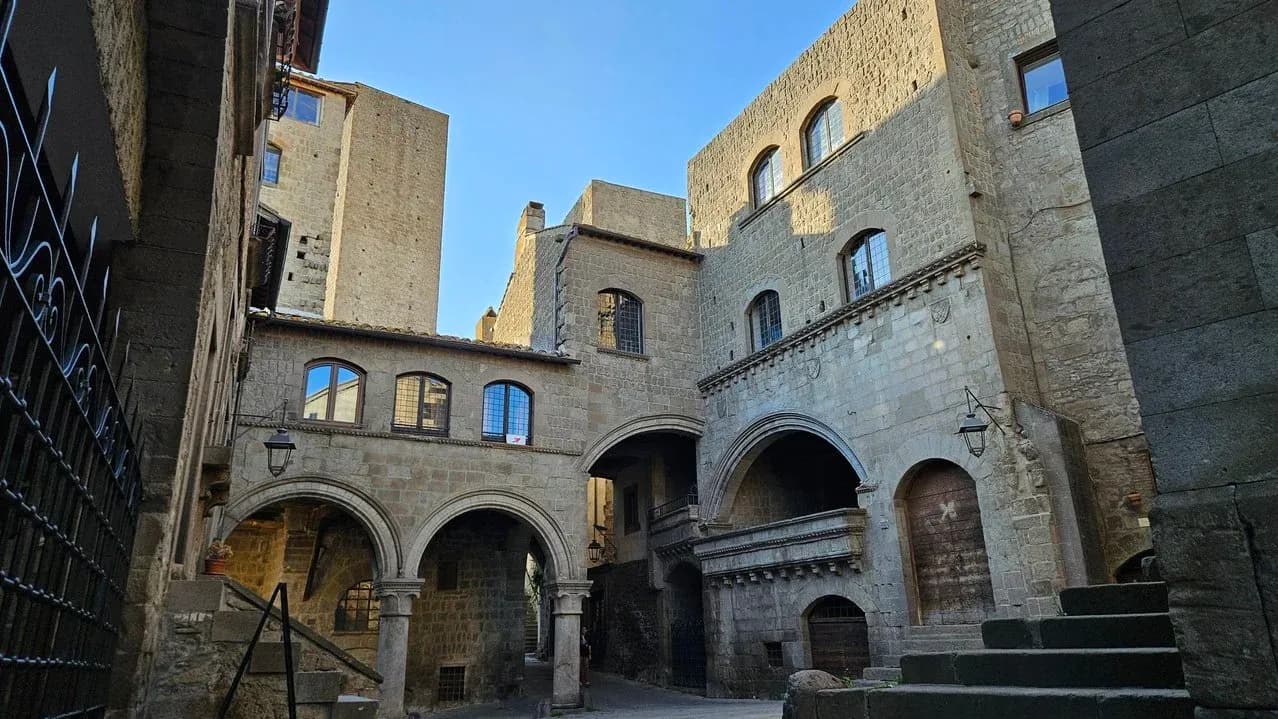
[
  {"x": 279, "y": 452},
  {"x": 595, "y": 549},
  {"x": 973, "y": 428}
]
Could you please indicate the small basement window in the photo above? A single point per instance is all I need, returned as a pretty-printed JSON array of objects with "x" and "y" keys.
[
  {"x": 452, "y": 684},
  {"x": 773, "y": 651}
]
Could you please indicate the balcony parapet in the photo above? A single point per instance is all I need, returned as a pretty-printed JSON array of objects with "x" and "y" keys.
[{"x": 830, "y": 542}]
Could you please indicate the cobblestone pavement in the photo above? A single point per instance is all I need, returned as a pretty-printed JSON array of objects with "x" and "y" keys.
[{"x": 616, "y": 698}]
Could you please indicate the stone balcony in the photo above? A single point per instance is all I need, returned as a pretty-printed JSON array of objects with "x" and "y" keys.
[
  {"x": 674, "y": 526},
  {"x": 826, "y": 543}
]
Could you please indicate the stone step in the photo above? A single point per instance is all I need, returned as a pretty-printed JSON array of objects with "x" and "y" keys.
[
  {"x": 1133, "y": 598},
  {"x": 948, "y": 630},
  {"x": 268, "y": 657},
  {"x": 1080, "y": 632},
  {"x": 882, "y": 674},
  {"x": 910, "y": 701},
  {"x": 1147, "y": 668},
  {"x": 915, "y": 645},
  {"x": 322, "y": 687},
  {"x": 204, "y": 594},
  {"x": 350, "y": 706}
]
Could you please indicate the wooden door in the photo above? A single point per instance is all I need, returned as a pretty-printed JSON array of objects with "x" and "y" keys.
[
  {"x": 839, "y": 638},
  {"x": 951, "y": 566}
]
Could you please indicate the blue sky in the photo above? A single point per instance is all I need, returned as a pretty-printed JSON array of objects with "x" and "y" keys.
[{"x": 543, "y": 97}]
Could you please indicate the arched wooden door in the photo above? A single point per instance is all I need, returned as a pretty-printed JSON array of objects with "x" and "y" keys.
[
  {"x": 947, "y": 546},
  {"x": 839, "y": 637}
]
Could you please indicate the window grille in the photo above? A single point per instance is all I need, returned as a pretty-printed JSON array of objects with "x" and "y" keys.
[
  {"x": 765, "y": 319},
  {"x": 507, "y": 413},
  {"x": 773, "y": 651},
  {"x": 824, "y": 132},
  {"x": 620, "y": 321},
  {"x": 421, "y": 404},
  {"x": 334, "y": 392},
  {"x": 765, "y": 179},
  {"x": 867, "y": 264},
  {"x": 358, "y": 609},
  {"x": 452, "y": 684}
]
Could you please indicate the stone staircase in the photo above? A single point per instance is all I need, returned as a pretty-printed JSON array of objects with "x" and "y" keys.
[
  {"x": 207, "y": 625},
  {"x": 927, "y": 639},
  {"x": 1111, "y": 655}
]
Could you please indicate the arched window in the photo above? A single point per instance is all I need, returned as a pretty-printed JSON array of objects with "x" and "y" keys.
[
  {"x": 765, "y": 319},
  {"x": 334, "y": 392},
  {"x": 421, "y": 404},
  {"x": 271, "y": 165},
  {"x": 507, "y": 413},
  {"x": 865, "y": 263},
  {"x": 620, "y": 321},
  {"x": 824, "y": 131},
  {"x": 358, "y": 610},
  {"x": 765, "y": 178}
]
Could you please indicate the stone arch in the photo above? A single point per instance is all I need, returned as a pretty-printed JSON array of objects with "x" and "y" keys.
[
  {"x": 678, "y": 423},
  {"x": 565, "y": 560},
  {"x": 732, "y": 466},
  {"x": 381, "y": 528},
  {"x": 943, "y": 548}
]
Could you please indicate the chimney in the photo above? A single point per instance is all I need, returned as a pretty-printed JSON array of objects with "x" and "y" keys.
[
  {"x": 484, "y": 327},
  {"x": 533, "y": 219}
]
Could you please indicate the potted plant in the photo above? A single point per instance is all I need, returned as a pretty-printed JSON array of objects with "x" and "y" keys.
[
  {"x": 1016, "y": 117},
  {"x": 215, "y": 557}
]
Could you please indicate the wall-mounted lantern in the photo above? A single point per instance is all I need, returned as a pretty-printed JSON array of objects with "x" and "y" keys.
[
  {"x": 279, "y": 452},
  {"x": 595, "y": 549},
  {"x": 972, "y": 428}
]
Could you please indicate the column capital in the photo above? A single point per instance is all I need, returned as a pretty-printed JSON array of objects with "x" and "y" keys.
[
  {"x": 569, "y": 594},
  {"x": 396, "y": 595}
]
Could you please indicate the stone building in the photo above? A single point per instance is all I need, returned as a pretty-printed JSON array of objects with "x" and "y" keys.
[
  {"x": 728, "y": 451},
  {"x": 132, "y": 248},
  {"x": 360, "y": 174}
]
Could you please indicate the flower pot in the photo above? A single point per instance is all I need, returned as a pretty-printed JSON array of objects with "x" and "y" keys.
[
  {"x": 1016, "y": 117},
  {"x": 215, "y": 566}
]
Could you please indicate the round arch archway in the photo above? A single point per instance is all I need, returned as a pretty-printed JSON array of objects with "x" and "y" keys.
[
  {"x": 753, "y": 441},
  {"x": 565, "y": 560},
  {"x": 838, "y": 636},
  {"x": 354, "y": 501},
  {"x": 675, "y": 423}
]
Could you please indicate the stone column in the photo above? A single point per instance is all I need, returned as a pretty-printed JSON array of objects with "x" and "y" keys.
[
  {"x": 396, "y": 598},
  {"x": 568, "y": 596}
]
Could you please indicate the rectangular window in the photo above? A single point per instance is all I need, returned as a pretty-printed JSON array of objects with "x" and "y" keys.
[
  {"x": 303, "y": 106},
  {"x": 1042, "y": 78},
  {"x": 446, "y": 578},
  {"x": 452, "y": 684},
  {"x": 631, "y": 508},
  {"x": 271, "y": 166},
  {"x": 773, "y": 651}
]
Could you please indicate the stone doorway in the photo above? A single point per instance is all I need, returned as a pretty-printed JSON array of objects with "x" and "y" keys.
[
  {"x": 686, "y": 621},
  {"x": 838, "y": 637},
  {"x": 945, "y": 540}
]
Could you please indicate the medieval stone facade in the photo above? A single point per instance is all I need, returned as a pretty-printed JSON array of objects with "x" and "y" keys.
[{"x": 729, "y": 449}]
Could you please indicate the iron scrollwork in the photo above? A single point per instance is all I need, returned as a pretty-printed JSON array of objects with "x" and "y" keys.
[{"x": 70, "y": 481}]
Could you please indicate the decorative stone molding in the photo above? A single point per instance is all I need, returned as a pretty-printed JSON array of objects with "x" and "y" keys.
[
  {"x": 785, "y": 572},
  {"x": 395, "y": 596},
  {"x": 679, "y": 423},
  {"x": 825, "y": 543},
  {"x": 329, "y": 429},
  {"x": 908, "y": 287},
  {"x": 569, "y": 595}
]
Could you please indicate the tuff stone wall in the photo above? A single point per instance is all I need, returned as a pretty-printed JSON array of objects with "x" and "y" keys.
[
  {"x": 626, "y": 629},
  {"x": 388, "y": 228},
  {"x": 631, "y": 211},
  {"x": 480, "y": 624},
  {"x": 1186, "y": 208},
  {"x": 310, "y": 159},
  {"x": 120, "y": 27}
]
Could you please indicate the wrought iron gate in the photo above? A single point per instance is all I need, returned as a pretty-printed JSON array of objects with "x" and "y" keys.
[{"x": 69, "y": 475}]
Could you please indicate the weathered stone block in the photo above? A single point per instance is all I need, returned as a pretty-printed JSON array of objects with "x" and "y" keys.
[
  {"x": 318, "y": 687},
  {"x": 353, "y": 707},
  {"x": 843, "y": 703},
  {"x": 268, "y": 658},
  {"x": 801, "y": 693},
  {"x": 196, "y": 595},
  {"x": 233, "y": 626}
]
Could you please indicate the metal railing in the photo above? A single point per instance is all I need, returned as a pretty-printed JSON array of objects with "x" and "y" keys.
[
  {"x": 70, "y": 482},
  {"x": 281, "y": 591},
  {"x": 674, "y": 505}
]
